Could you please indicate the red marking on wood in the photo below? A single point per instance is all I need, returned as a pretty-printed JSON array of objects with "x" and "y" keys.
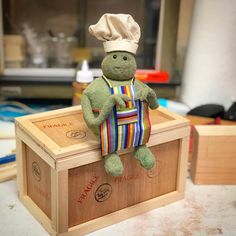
[
  {"x": 126, "y": 178},
  {"x": 87, "y": 189},
  {"x": 41, "y": 192},
  {"x": 57, "y": 125}
]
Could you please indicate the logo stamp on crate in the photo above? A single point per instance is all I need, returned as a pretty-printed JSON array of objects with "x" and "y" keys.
[
  {"x": 76, "y": 134},
  {"x": 103, "y": 192},
  {"x": 36, "y": 171},
  {"x": 155, "y": 171}
]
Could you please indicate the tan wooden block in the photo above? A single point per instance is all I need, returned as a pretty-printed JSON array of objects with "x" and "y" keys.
[
  {"x": 61, "y": 173},
  {"x": 214, "y": 155}
]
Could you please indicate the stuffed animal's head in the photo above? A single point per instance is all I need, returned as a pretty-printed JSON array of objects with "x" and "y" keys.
[{"x": 119, "y": 65}]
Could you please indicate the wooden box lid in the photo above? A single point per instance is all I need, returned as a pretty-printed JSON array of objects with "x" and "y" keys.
[{"x": 62, "y": 133}]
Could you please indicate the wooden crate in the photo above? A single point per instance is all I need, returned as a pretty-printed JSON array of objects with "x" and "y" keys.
[
  {"x": 214, "y": 154},
  {"x": 62, "y": 181}
]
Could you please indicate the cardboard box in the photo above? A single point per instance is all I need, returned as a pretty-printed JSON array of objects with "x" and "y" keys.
[
  {"x": 214, "y": 154},
  {"x": 62, "y": 181}
]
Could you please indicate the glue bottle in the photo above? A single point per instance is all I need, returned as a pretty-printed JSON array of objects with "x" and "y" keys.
[{"x": 83, "y": 78}]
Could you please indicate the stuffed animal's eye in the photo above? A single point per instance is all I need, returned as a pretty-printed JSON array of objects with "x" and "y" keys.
[
  {"x": 114, "y": 56},
  {"x": 125, "y": 58}
]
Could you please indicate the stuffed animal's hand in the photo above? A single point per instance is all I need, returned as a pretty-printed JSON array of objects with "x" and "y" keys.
[
  {"x": 118, "y": 99},
  {"x": 145, "y": 94},
  {"x": 149, "y": 96},
  {"x": 115, "y": 99}
]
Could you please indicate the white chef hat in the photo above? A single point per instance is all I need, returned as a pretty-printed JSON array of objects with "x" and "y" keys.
[{"x": 119, "y": 32}]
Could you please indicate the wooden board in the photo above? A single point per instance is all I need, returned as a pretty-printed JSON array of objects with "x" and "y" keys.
[
  {"x": 167, "y": 36},
  {"x": 38, "y": 181},
  {"x": 1, "y": 41},
  {"x": 92, "y": 193},
  {"x": 7, "y": 171},
  {"x": 214, "y": 155}
]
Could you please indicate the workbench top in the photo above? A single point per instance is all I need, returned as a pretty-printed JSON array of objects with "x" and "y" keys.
[{"x": 206, "y": 210}]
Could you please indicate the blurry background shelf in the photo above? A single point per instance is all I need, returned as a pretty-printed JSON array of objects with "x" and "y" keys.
[{"x": 57, "y": 84}]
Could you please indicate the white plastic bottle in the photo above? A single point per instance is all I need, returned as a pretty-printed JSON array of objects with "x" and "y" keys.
[{"x": 83, "y": 78}]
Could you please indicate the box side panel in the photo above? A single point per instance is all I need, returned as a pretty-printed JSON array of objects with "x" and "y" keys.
[
  {"x": 38, "y": 181},
  {"x": 216, "y": 160},
  {"x": 92, "y": 193}
]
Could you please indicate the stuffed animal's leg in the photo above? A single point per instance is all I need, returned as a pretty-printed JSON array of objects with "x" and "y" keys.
[
  {"x": 145, "y": 156},
  {"x": 113, "y": 164}
]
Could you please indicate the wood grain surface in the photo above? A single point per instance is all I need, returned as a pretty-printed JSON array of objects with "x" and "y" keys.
[
  {"x": 93, "y": 193},
  {"x": 214, "y": 155},
  {"x": 38, "y": 181}
]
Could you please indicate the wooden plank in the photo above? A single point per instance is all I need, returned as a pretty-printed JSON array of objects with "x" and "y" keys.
[
  {"x": 194, "y": 159},
  {"x": 123, "y": 214},
  {"x": 21, "y": 167},
  {"x": 49, "y": 114},
  {"x": 1, "y": 41},
  {"x": 38, "y": 214},
  {"x": 160, "y": 37},
  {"x": 59, "y": 200},
  {"x": 63, "y": 201},
  {"x": 167, "y": 37},
  {"x": 175, "y": 116},
  {"x": 184, "y": 27},
  {"x": 35, "y": 147},
  {"x": 38, "y": 175},
  {"x": 54, "y": 199},
  {"x": 182, "y": 164},
  {"x": 7, "y": 171}
]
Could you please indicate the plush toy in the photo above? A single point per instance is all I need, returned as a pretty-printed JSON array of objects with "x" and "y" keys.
[{"x": 115, "y": 106}]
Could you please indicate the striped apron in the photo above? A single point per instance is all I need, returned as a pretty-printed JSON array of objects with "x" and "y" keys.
[{"x": 125, "y": 127}]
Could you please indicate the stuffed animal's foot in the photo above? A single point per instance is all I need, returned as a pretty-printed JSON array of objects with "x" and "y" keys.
[
  {"x": 113, "y": 164},
  {"x": 145, "y": 156}
]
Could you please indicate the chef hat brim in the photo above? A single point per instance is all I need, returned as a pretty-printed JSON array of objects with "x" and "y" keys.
[{"x": 120, "y": 45}]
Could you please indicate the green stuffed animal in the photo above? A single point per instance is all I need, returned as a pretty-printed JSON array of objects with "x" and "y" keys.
[{"x": 115, "y": 108}]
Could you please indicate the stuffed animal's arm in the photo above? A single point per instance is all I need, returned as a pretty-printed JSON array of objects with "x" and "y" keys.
[
  {"x": 115, "y": 99},
  {"x": 144, "y": 93}
]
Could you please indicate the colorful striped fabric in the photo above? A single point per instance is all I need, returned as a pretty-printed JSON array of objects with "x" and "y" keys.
[
  {"x": 109, "y": 134},
  {"x": 127, "y": 116},
  {"x": 127, "y": 90},
  {"x": 127, "y": 127}
]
